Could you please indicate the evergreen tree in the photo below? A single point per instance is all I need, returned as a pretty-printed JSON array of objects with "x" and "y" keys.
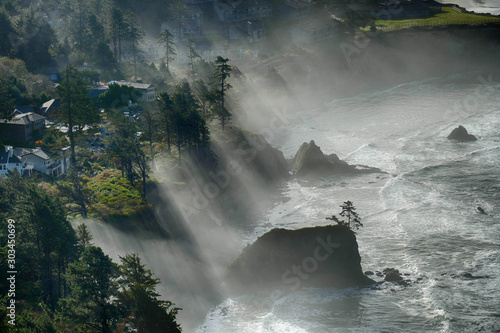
[
  {"x": 93, "y": 286},
  {"x": 348, "y": 211},
  {"x": 7, "y": 103},
  {"x": 149, "y": 122},
  {"x": 164, "y": 113},
  {"x": 77, "y": 109},
  {"x": 119, "y": 26},
  {"x": 192, "y": 56},
  {"x": 139, "y": 300},
  {"x": 6, "y": 32},
  {"x": 135, "y": 37},
  {"x": 36, "y": 37},
  {"x": 221, "y": 76},
  {"x": 167, "y": 40},
  {"x": 48, "y": 228},
  {"x": 84, "y": 237}
]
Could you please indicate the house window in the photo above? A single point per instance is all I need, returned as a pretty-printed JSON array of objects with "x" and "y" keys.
[
  {"x": 28, "y": 126},
  {"x": 3, "y": 167}
]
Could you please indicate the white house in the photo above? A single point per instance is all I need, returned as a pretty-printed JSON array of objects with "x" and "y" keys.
[
  {"x": 9, "y": 161},
  {"x": 54, "y": 164}
]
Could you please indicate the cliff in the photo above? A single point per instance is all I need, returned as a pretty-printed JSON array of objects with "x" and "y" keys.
[{"x": 291, "y": 259}]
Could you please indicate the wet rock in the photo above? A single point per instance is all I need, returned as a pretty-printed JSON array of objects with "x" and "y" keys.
[
  {"x": 470, "y": 276},
  {"x": 404, "y": 283},
  {"x": 392, "y": 274},
  {"x": 461, "y": 134}
]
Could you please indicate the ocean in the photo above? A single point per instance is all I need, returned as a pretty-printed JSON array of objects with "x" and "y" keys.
[
  {"x": 419, "y": 217},
  {"x": 478, "y": 6}
]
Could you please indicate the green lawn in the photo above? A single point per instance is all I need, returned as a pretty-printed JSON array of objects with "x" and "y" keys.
[{"x": 447, "y": 17}]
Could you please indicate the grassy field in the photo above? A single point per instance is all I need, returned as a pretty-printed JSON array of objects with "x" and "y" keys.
[{"x": 448, "y": 16}]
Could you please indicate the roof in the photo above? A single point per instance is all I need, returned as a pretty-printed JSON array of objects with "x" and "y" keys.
[
  {"x": 141, "y": 86},
  {"x": 4, "y": 158},
  {"x": 24, "y": 109},
  {"x": 22, "y": 152},
  {"x": 52, "y": 103},
  {"x": 24, "y": 119}
]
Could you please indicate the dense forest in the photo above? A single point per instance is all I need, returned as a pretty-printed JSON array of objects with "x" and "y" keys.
[{"x": 64, "y": 282}]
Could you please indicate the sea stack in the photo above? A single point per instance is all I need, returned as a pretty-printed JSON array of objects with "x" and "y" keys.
[
  {"x": 310, "y": 162},
  {"x": 325, "y": 256},
  {"x": 461, "y": 134}
]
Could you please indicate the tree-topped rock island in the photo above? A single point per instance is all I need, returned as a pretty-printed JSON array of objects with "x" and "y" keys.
[{"x": 325, "y": 256}]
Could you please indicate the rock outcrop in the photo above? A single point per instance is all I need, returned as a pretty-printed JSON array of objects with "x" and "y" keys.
[
  {"x": 291, "y": 259},
  {"x": 392, "y": 274},
  {"x": 309, "y": 161},
  {"x": 461, "y": 134}
]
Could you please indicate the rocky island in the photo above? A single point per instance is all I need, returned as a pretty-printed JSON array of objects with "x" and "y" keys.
[
  {"x": 325, "y": 256},
  {"x": 310, "y": 161}
]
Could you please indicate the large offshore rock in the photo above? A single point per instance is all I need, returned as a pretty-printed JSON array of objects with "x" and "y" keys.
[
  {"x": 309, "y": 161},
  {"x": 461, "y": 134},
  {"x": 324, "y": 256}
]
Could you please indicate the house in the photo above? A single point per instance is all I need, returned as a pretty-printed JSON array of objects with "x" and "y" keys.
[
  {"x": 23, "y": 129},
  {"x": 9, "y": 161},
  {"x": 294, "y": 9},
  {"x": 50, "y": 108},
  {"x": 146, "y": 90},
  {"x": 51, "y": 164}
]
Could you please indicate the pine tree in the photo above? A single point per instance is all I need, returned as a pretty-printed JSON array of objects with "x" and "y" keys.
[
  {"x": 192, "y": 56},
  {"x": 139, "y": 300},
  {"x": 221, "y": 76},
  {"x": 77, "y": 109},
  {"x": 167, "y": 39},
  {"x": 348, "y": 211},
  {"x": 45, "y": 225},
  {"x": 93, "y": 286},
  {"x": 7, "y": 103},
  {"x": 119, "y": 27},
  {"x": 135, "y": 35}
]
